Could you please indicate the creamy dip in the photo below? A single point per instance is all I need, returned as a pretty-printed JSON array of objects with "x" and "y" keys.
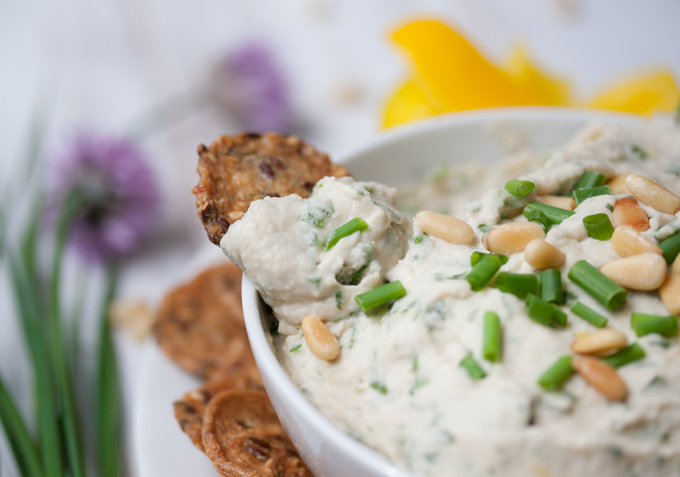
[{"x": 397, "y": 385}]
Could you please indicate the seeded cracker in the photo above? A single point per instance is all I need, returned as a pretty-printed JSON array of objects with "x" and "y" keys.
[
  {"x": 236, "y": 170},
  {"x": 190, "y": 409},
  {"x": 243, "y": 437},
  {"x": 200, "y": 326}
]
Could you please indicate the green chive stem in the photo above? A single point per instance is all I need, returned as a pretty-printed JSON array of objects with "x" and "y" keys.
[
  {"x": 544, "y": 313},
  {"x": 557, "y": 374},
  {"x": 477, "y": 256},
  {"x": 539, "y": 218},
  {"x": 519, "y": 188},
  {"x": 483, "y": 271},
  {"x": 604, "y": 290},
  {"x": 645, "y": 324},
  {"x": 599, "y": 226},
  {"x": 473, "y": 368},
  {"x": 551, "y": 286},
  {"x": 381, "y": 295},
  {"x": 595, "y": 319},
  {"x": 627, "y": 355},
  {"x": 492, "y": 337},
  {"x": 357, "y": 224},
  {"x": 671, "y": 247},
  {"x": 554, "y": 214},
  {"x": 581, "y": 195},
  {"x": 589, "y": 180},
  {"x": 519, "y": 284}
]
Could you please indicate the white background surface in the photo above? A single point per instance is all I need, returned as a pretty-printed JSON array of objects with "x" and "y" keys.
[{"x": 108, "y": 61}]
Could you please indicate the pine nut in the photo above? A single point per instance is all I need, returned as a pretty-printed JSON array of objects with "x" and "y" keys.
[
  {"x": 628, "y": 212},
  {"x": 653, "y": 194},
  {"x": 676, "y": 266},
  {"x": 643, "y": 272},
  {"x": 320, "y": 339},
  {"x": 447, "y": 228},
  {"x": 511, "y": 238},
  {"x": 566, "y": 203},
  {"x": 670, "y": 293},
  {"x": 601, "y": 376},
  {"x": 618, "y": 184},
  {"x": 541, "y": 255},
  {"x": 627, "y": 242},
  {"x": 599, "y": 342}
]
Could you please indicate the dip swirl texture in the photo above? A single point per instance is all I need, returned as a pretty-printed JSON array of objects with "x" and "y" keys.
[{"x": 397, "y": 385}]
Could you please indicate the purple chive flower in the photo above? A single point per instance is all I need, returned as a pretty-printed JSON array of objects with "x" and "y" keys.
[
  {"x": 118, "y": 191},
  {"x": 250, "y": 87}
]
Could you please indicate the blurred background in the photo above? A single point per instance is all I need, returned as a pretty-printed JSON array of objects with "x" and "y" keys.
[{"x": 169, "y": 75}]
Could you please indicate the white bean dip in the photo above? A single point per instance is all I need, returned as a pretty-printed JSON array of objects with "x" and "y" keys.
[{"x": 397, "y": 385}]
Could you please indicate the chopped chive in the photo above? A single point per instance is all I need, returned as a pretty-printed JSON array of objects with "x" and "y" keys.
[
  {"x": 380, "y": 387},
  {"x": 599, "y": 226},
  {"x": 473, "y": 368},
  {"x": 557, "y": 375},
  {"x": 519, "y": 188},
  {"x": 554, "y": 214},
  {"x": 604, "y": 290},
  {"x": 539, "y": 218},
  {"x": 483, "y": 271},
  {"x": 671, "y": 247},
  {"x": 641, "y": 153},
  {"x": 518, "y": 284},
  {"x": 625, "y": 356},
  {"x": 551, "y": 286},
  {"x": 581, "y": 195},
  {"x": 645, "y": 324},
  {"x": 295, "y": 348},
  {"x": 381, "y": 295},
  {"x": 492, "y": 337},
  {"x": 477, "y": 256},
  {"x": 589, "y": 315},
  {"x": 589, "y": 180},
  {"x": 357, "y": 224},
  {"x": 338, "y": 299},
  {"x": 544, "y": 313}
]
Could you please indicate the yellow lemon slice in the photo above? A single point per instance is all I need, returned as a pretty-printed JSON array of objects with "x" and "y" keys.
[
  {"x": 408, "y": 104},
  {"x": 643, "y": 94},
  {"x": 549, "y": 89}
]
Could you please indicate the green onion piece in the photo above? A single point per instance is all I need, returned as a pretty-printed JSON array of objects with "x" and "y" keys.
[
  {"x": 544, "y": 313},
  {"x": 589, "y": 180},
  {"x": 519, "y": 188},
  {"x": 474, "y": 370},
  {"x": 518, "y": 284},
  {"x": 554, "y": 214},
  {"x": 671, "y": 247},
  {"x": 483, "y": 271},
  {"x": 540, "y": 218},
  {"x": 551, "y": 286},
  {"x": 645, "y": 324},
  {"x": 625, "y": 356},
  {"x": 357, "y": 224},
  {"x": 492, "y": 337},
  {"x": 599, "y": 226},
  {"x": 604, "y": 290},
  {"x": 589, "y": 315},
  {"x": 557, "y": 375},
  {"x": 581, "y": 195},
  {"x": 477, "y": 256},
  {"x": 381, "y": 295}
]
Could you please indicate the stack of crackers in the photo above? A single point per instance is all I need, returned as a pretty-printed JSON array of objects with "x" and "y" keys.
[{"x": 200, "y": 327}]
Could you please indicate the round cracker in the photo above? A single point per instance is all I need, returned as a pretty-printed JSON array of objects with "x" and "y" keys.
[
  {"x": 243, "y": 437},
  {"x": 200, "y": 325},
  {"x": 236, "y": 170},
  {"x": 190, "y": 409}
]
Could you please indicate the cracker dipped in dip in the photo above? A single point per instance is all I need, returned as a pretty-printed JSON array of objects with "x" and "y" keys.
[{"x": 533, "y": 332}]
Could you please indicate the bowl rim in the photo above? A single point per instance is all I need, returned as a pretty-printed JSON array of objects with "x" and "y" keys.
[{"x": 260, "y": 345}]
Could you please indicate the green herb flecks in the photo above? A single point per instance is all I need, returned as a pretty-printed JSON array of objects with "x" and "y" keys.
[
  {"x": 315, "y": 280},
  {"x": 604, "y": 290},
  {"x": 295, "y": 348},
  {"x": 318, "y": 211},
  {"x": 338, "y": 299},
  {"x": 357, "y": 224},
  {"x": 380, "y": 387},
  {"x": 639, "y": 152}
]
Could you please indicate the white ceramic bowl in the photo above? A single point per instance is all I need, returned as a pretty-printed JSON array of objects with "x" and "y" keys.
[{"x": 398, "y": 157}]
